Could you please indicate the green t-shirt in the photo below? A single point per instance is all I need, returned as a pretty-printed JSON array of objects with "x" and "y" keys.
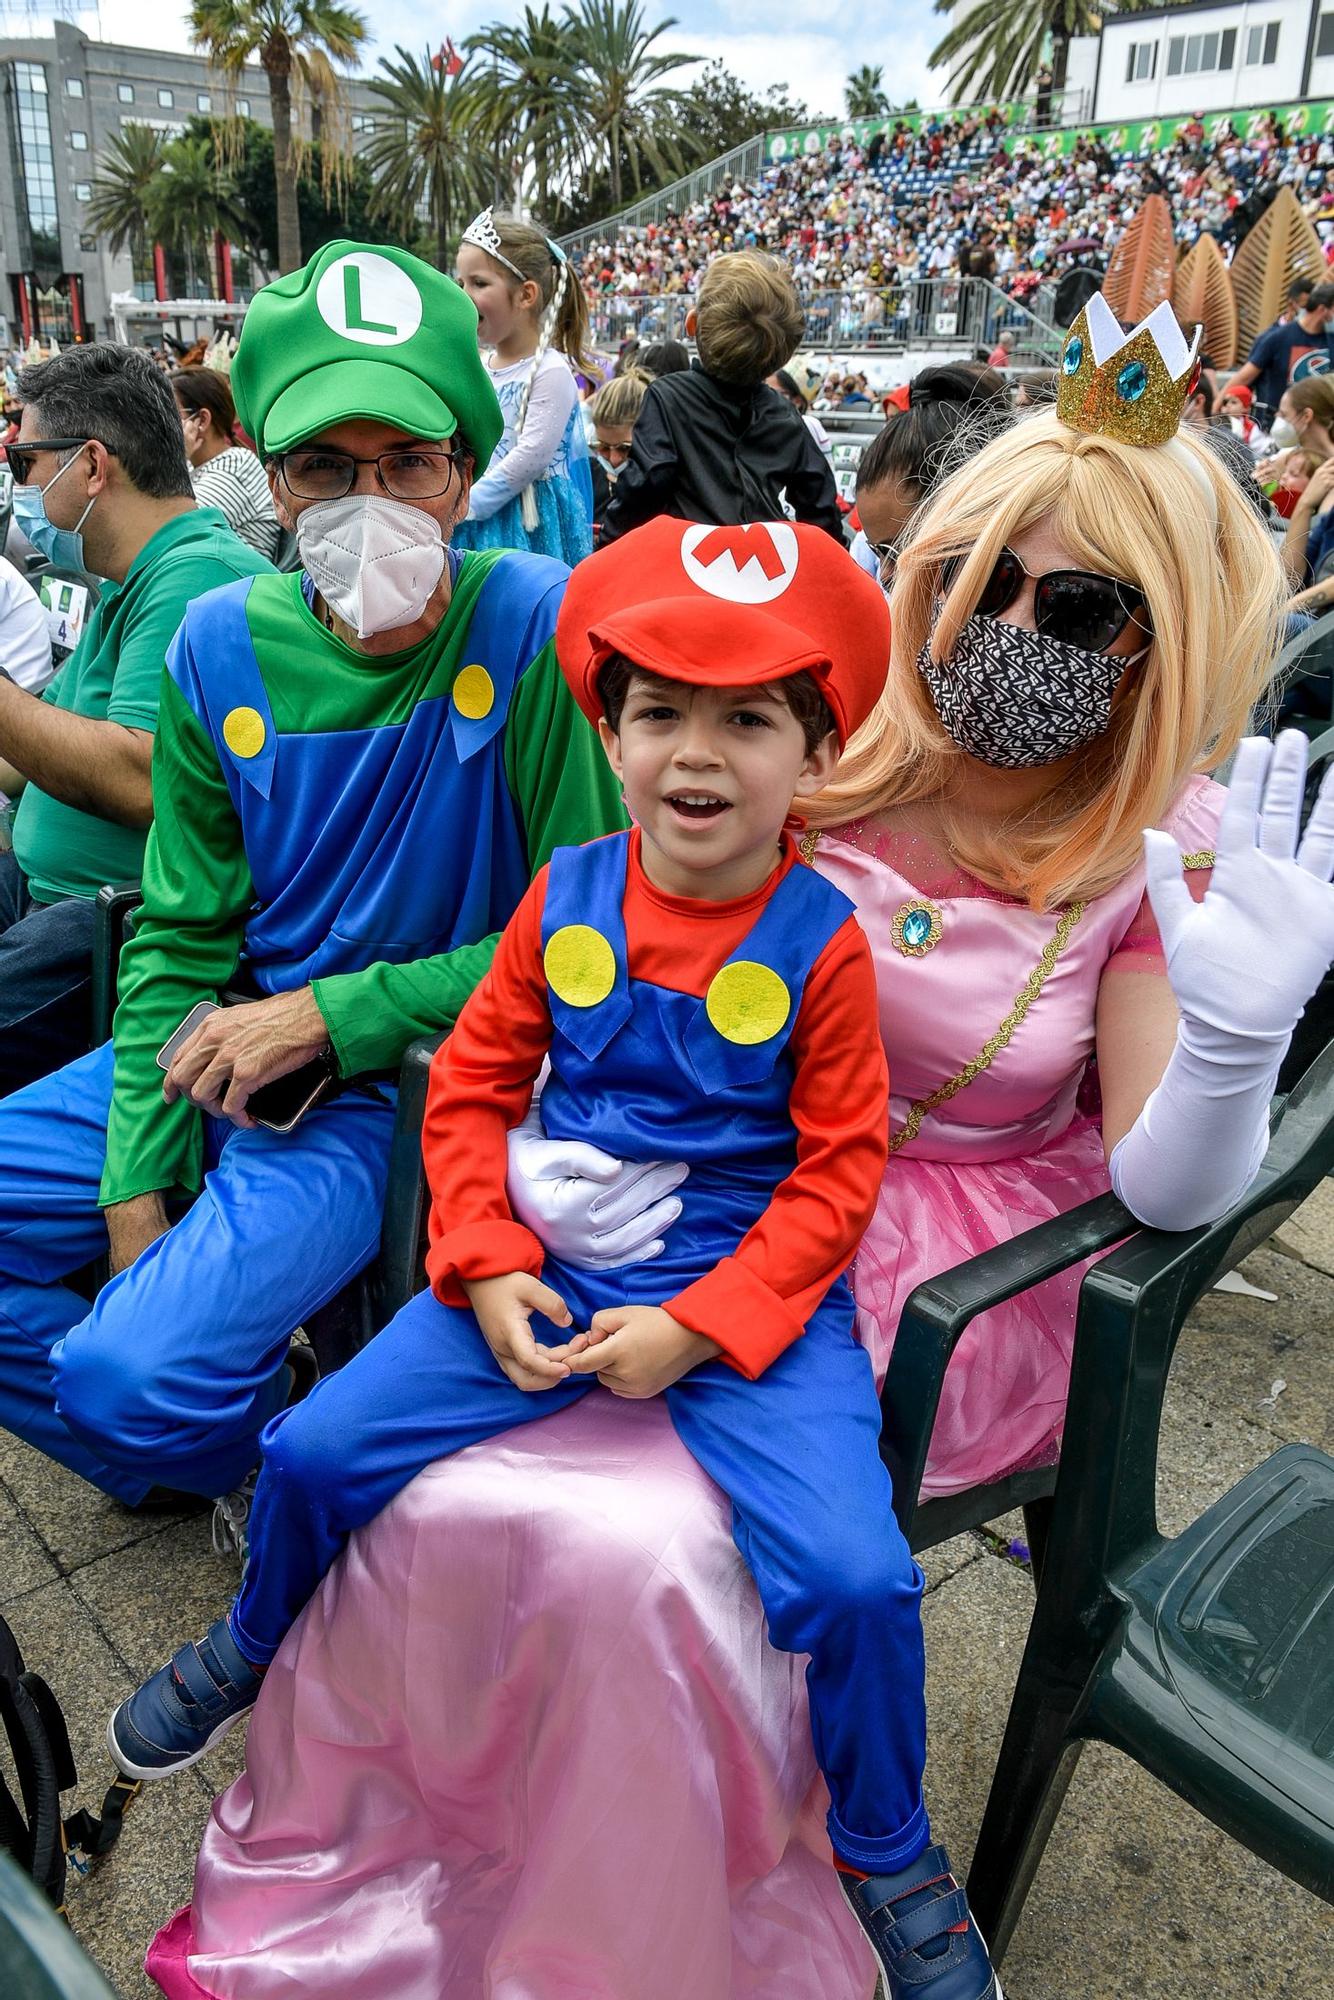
[{"x": 115, "y": 675}]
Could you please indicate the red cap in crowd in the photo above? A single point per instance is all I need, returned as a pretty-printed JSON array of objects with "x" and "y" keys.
[
  {"x": 728, "y": 607},
  {"x": 1241, "y": 392}
]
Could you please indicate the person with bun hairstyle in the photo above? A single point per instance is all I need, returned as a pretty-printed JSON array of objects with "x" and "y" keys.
[
  {"x": 952, "y": 410},
  {"x": 714, "y": 442},
  {"x": 536, "y": 493},
  {"x": 613, "y": 413},
  {"x": 225, "y": 473}
]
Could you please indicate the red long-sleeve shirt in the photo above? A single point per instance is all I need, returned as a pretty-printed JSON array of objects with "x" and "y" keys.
[{"x": 755, "y": 1302}]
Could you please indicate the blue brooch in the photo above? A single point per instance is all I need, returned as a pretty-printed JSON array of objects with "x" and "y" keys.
[
  {"x": 916, "y": 928},
  {"x": 1073, "y": 355}
]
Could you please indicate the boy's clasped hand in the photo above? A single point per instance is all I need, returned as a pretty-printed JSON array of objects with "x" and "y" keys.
[{"x": 635, "y": 1351}]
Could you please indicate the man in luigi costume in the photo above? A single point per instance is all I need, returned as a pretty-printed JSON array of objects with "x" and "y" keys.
[{"x": 358, "y": 769}]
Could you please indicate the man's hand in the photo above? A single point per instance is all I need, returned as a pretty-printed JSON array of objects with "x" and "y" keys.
[
  {"x": 639, "y": 1351},
  {"x": 132, "y": 1225},
  {"x": 503, "y": 1306},
  {"x": 237, "y": 1049}
]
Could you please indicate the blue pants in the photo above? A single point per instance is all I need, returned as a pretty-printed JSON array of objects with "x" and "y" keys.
[
  {"x": 169, "y": 1377},
  {"x": 796, "y": 1452},
  {"x": 46, "y": 980}
]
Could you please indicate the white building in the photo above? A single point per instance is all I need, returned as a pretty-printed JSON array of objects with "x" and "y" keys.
[{"x": 1208, "y": 56}]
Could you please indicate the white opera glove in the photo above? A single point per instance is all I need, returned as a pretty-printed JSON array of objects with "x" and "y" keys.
[
  {"x": 1242, "y": 965},
  {"x": 588, "y": 1208}
]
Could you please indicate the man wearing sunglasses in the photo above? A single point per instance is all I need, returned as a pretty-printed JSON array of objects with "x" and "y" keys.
[
  {"x": 101, "y": 485},
  {"x": 359, "y": 767}
]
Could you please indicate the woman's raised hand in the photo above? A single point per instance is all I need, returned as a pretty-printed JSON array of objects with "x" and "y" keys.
[{"x": 1246, "y": 959}]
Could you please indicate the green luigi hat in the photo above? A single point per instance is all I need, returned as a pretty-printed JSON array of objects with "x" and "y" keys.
[{"x": 364, "y": 331}]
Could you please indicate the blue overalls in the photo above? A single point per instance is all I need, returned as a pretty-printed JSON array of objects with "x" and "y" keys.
[
  {"x": 365, "y": 846},
  {"x": 644, "y": 1073}
]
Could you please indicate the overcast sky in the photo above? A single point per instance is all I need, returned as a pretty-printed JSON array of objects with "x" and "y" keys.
[{"x": 807, "y": 47}]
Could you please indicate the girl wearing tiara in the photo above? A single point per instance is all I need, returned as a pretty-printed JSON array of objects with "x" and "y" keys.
[{"x": 537, "y": 492}]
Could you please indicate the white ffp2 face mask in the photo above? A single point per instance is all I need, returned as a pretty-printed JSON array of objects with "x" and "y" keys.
[{"x": 375, "y": 562}]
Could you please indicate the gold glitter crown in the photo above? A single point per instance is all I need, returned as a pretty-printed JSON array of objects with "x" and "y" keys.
[{"x": 1132, "y": 386}]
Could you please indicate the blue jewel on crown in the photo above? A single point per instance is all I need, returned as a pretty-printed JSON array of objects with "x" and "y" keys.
[
  {"x": 916, "y": 928},
  {"x": 1132, "y": 381},
  {"x": 1073, "y": 355}
]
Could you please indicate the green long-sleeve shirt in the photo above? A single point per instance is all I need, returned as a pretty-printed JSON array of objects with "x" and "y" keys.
[{"x": 311, "y": 803}]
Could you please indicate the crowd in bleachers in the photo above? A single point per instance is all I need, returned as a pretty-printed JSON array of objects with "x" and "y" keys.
[{"x": 965, "y": 197}]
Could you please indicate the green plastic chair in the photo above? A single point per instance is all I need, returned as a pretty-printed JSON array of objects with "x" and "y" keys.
[{"x": 1208, "y": 1657}]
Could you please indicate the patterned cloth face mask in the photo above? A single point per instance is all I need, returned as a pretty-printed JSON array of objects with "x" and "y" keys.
[{"x": 1016, "y": 699}]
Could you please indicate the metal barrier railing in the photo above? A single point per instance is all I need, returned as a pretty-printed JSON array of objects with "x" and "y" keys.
[{"x": 922, "y": 312}]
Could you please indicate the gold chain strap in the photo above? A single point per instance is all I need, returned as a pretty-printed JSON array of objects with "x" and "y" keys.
[
  {"x": 1004, "y": 1035},
  {"x": 992, "y": 1047}
]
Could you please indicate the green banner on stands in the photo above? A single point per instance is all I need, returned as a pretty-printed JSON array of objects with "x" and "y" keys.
[{"x": 1310, "y": 120}]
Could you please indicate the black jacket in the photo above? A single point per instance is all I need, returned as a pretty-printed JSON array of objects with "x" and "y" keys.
[{"x": 706, "y": 450}]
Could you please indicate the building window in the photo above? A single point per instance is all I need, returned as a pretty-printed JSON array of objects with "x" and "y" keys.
[
  {"x": 82, "y": 191},
  {"x": 1142, "y": 62},
  {"x": 87, "y": 243},
  {"x": 1191, "y": 55},
  {"x": 203, "y": 102},
  {"x": 34, "y": 167},
  {"x": 1324, "y": 41},
  {"x": 1262, "y": 44},
  {"x": 79, "y": 141},
  {"x": 73, "y": 86},
  {"x": 125, "y": 92},
  {"x": 243, "y": 107},
  {"x": 166, "y": 98}
]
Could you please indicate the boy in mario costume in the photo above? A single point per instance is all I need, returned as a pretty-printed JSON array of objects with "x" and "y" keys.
[
  {"x": 358, "y": 769},
  {"x": 698, "y": 991}
]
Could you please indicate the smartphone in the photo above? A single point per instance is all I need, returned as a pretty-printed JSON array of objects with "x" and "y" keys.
[
  {"x": 279, "y": 1105},
  {"x": 166, "y": 1055}
]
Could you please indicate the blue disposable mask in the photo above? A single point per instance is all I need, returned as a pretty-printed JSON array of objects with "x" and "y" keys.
[{"x": 63, "y": 546}]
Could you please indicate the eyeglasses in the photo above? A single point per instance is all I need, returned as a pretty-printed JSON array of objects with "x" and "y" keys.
[
  {"x": 416, "y": 473},
  {"x": 21, "y": 456},
  {"x": 1079, "y": 607},
  {"x": 886, "y": 555}
]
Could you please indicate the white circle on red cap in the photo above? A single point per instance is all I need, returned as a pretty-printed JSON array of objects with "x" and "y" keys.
[
  {"x": 369, "y": 299},
  {"x": 752, "y": 564}
]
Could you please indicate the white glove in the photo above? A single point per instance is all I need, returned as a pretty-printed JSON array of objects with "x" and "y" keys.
[
  {"x": 1242, "y": 965},
  {"x": 589, "y": 1209}
]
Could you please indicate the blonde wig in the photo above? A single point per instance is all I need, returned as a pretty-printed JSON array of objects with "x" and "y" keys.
[{"x": 1169, "y": 520}]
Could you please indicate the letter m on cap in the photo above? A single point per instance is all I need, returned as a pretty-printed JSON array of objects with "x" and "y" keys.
[{"x": 743, "y": 545}]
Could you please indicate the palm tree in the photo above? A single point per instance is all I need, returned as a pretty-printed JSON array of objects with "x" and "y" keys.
[
  {"x": 126, "y": 172},
  {"x": 997, "y": 48},
  {"x": 301, "y": 39},
  {"x": 629, "y": 116},
  {"x": 527, "y": 96},
  {"x": 863, "y": 95},
  {"x": 425, "y": 158},
  {"x": 191, "y": 200}
]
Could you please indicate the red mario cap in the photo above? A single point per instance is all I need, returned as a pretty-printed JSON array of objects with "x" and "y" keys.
[{"x": 728, "y": 607}]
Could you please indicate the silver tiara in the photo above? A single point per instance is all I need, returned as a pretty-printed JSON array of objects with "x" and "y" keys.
[{"x": 483, "y": 235}]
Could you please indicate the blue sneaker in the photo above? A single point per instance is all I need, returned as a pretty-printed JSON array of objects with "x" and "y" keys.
[
  {"x": 922, "y": 1933},
  {"x": 184, "y": 1708}
]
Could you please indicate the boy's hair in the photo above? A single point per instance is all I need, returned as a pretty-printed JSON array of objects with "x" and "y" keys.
[
  {"x": 748, "y": 318},
  {"x": 800, "y": 691},
  {"x": 620, "y": 400}
]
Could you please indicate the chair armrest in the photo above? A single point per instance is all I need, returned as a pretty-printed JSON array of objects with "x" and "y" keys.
[
  {"x": 112, "y": 909},
  {"x": 937, "y": 1313},
  {"x": 405, "y": 1194}
]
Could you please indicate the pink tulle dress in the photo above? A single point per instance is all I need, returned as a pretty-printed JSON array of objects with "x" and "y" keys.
[{"x": 529, "y": 1741}]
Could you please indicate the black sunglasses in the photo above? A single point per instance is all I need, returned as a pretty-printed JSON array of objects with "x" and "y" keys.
[
  {"x": 1077, "y": 606},
  {"x": 22, "y": 456}
]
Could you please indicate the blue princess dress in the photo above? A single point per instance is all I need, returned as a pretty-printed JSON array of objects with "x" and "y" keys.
[{"x": 550, "y": 456}]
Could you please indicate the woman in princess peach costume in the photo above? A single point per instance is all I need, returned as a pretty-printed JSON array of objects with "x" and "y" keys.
[{"x": 529, "y": 1742}]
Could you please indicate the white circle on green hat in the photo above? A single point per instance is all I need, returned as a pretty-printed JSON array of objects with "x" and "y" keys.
[{"x": 369, "y": 299}]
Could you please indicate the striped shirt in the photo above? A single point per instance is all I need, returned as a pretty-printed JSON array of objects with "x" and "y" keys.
[{"x": 235, "y": 483}]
